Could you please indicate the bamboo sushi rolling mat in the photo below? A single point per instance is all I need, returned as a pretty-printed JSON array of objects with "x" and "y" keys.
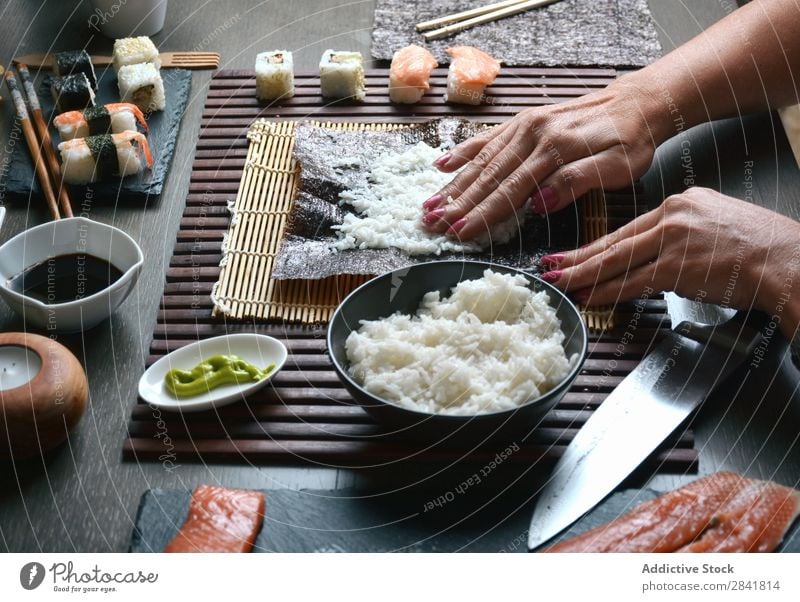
[{"x": 305, "y": 415}]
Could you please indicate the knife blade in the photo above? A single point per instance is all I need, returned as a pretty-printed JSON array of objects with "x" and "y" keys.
[{"x": 643, "y": 410}]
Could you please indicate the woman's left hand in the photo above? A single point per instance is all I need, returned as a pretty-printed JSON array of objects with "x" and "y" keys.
[{"x": 700, "y": 243}]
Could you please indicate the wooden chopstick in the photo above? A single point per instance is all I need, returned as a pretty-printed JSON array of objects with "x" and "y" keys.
[
  {"x": 464, "y": 15},
  {"x": 514, "y": 9},
  {"x": 33, "y": 144},
  {"x": 46, "y": 141}
]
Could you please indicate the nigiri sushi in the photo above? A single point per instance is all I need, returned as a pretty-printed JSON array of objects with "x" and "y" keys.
[
  {"x": 71, "y": 62},
  {"x": 409, "y": 74},
  {"x": 96, "y": 158},
  {"x": 341, "y": 75},
  {"x": 471, "y": 70},
  {"x": 72, "y": 92},
  {"x": 113, "y": 118},
  {"x": 142, "y": 85}
]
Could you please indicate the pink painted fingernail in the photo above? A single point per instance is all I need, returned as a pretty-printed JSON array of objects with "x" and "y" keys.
[
  {"x": 433, "y": 202},
  {"x": 442, "y": 161},
  {"x": 553, "y": 260},
  {"x": 433, "y": 216},
  {"x": 457, "y": 226},
  {"x": 552, "y": 277},
  {"x": 544, "y": 200}
]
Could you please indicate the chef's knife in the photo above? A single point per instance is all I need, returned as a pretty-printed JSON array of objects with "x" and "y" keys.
[{"x": 703, "y": 349}]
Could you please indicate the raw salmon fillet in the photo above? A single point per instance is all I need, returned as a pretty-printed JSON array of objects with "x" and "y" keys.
[
  {"x": 663, "y": 524},
  {"x": 412, "y": 66},
  {"x": 754, "y": 520},
  {"x": 220, "y": 520},
  {"x": 473, "y": 66}
]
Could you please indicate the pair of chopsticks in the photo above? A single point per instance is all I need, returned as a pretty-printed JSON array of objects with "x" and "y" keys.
[
  {"x": 451, "y": 24},
  {"x": 41, "y": 147}
]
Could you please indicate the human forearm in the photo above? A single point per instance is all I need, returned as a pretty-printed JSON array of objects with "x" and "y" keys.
[{"x": 748, "y": 61}]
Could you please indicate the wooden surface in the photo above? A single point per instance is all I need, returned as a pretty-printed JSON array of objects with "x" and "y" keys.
[
  {"x": 84, "y": 497},
  {"x": 306, "y": 416}
]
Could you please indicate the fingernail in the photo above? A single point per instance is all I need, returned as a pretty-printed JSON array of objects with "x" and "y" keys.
[
  {"x": 544, "y": 200},
  {"x": 552, "y": 277},
  {"x": 432, "y": 216},
  {"x": 442, "y": 161},
  {"x": 553, "y": 260},
  {"x": 433, "y": 202},
  {"x": 457, "y": 226}
]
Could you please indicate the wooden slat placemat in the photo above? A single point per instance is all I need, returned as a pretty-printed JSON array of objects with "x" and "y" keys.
[{"x": 305, "y": 415}]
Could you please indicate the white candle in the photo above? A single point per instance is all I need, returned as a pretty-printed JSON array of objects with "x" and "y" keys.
[{"x": 18, "y": 365}]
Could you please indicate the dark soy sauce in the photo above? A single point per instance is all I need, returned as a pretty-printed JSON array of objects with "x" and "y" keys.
[{"x": 65, "y": 278}]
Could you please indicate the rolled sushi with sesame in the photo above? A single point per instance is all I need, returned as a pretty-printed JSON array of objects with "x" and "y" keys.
[
  {"x": 274, "y": 75},
  {"x": 72, "y": 92},
  {"x": 142, "y": 85},
  {"x": 72, "y": 62},
  {"x": 341, "y": 75},
  {"x": 132, "y": 51}
]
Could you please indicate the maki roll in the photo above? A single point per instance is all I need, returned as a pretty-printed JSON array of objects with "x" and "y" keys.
[
  {"x": 142, "y": 85},
  {"x": 95, "y": 158},
  {"x": 72, "y": 92},
  {"x": 132, "y": 51},
  {"x": 274, "y": 75},
  {"x": 113, "y": 118},
  {"x": 341, "y": 75},
  {"x": 72, "y": 62}
]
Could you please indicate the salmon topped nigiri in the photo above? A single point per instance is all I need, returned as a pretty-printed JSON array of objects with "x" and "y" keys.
[
  {"x": 470, "y": 72},
  {"x": 410, "y": 73}
]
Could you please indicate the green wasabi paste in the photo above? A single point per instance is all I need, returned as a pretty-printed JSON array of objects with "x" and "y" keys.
[{"x": 214, "y": 372}]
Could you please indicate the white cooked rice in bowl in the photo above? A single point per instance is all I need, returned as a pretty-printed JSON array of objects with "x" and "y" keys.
[{"x": 492, "y": 345}]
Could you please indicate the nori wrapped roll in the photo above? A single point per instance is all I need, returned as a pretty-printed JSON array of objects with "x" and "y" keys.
[
  {"x": 72, "y": 93},
  {"x": 72, "y": 62}
]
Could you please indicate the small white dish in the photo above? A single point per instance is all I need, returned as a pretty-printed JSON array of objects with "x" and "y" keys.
[
  {"x": 63, "y": 237},
  {"x": 257, "y": 349}
]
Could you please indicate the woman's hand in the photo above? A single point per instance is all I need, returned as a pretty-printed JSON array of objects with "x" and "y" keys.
[
  {"x": 699, "y": 244},
  {"x": 550, "y": 156}
]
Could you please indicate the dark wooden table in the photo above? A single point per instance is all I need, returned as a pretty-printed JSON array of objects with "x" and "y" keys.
[{"x": 83, "y": 497}]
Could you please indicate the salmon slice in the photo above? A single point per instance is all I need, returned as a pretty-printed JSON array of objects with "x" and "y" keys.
[
  {"x": 663, "y": 524},
  {"x": 220, "y": 520},
  {"x": 473, "y": 66},
  {"x": 754, "y": 520},
  {"x": 412, "y": 66}
]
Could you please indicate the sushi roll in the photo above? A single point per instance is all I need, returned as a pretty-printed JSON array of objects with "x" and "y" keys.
[
  {"x": 132, "y": 51},
  {"x": 409, "y": 74},
  {"x": 274, "y": 75},
  {"x": 142, "y": 85},
  {"x": 72, "y": 92},
  {"x": 470, "y": 72},
  {"x": 95, "y": 158},
  {"x": 112, "y": 118},
  {"x": 72, "y": 62},
  {"x": 341, "y": 75}
]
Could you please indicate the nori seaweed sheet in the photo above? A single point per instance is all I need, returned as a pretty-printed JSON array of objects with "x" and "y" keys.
[
  {"x": 105, "y": 156},
  {"x": 333, "y": 161},
  {"x": 98, "y": 120},
  {"x": 607, "y": 33},
  {"x": 72, "y": 62},
  {"x": 72, "y": 93}
]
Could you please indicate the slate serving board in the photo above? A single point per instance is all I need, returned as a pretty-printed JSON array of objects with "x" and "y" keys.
[
  {"x": 162, "y": 135},
  {"x": 348, "y": 521}
]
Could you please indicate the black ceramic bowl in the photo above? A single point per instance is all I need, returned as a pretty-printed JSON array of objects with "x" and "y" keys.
[{"x": 402, "y": 290}]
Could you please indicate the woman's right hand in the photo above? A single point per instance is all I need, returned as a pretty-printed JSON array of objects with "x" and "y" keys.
[{"x": 551, "y": 156}]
